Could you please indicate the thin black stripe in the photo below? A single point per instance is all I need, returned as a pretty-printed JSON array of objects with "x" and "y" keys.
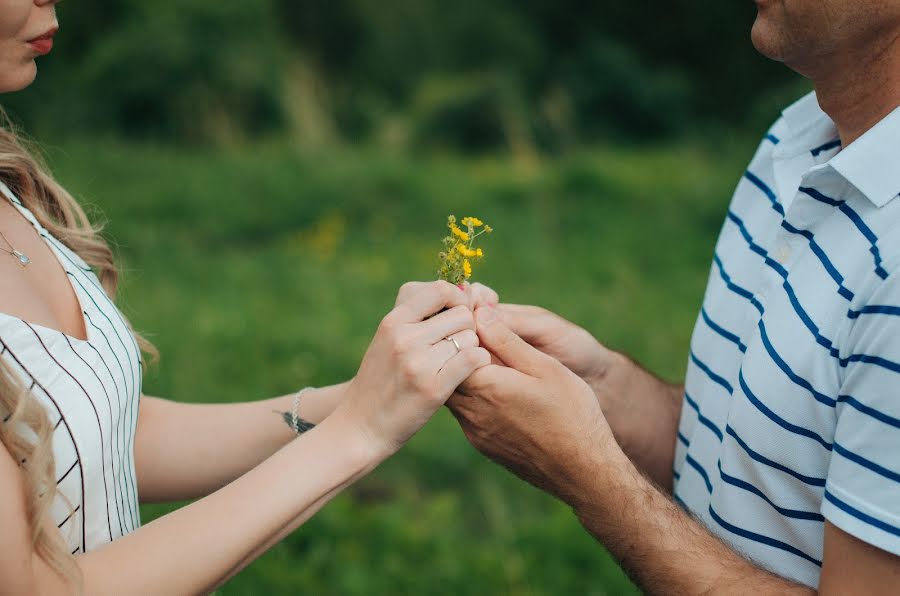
[
  {"x": 68, "y": 428},
  {"x": 75, "y": 551},
  {"x": 122, "y": 411},
  {"x": 136, "y": 372},
  {"x": 72, "y": 467},
  {"x": 96, "y": 415},
  {"x": 62, "y": 523},
  {"x": 118, "y": 419},
  {"x": 112, "y": 459}
]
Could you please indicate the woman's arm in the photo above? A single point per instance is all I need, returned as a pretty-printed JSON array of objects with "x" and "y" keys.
[
  {"x": 196, "y": 548},
  {"x": 186, "y": 451},
  {"x": 408, "y": 372}
]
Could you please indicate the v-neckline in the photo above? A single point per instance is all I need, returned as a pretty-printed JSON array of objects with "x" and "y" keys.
[{"x": 61, "y": 260}]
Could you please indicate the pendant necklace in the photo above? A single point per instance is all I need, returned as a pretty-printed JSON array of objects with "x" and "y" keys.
[{"x": 19, "y": 255}]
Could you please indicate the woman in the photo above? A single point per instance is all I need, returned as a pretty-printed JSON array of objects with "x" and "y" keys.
[{"x": 80, "y": 443}]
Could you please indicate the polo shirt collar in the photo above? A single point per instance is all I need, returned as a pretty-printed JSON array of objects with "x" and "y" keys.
[{"x": 870, "y": 163}]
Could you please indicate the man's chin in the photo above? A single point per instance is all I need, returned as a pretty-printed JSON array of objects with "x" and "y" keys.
[{"x": 765, "y": 40}]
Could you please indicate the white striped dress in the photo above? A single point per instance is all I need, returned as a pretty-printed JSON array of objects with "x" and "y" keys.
[{"x": 91, "y": 389}]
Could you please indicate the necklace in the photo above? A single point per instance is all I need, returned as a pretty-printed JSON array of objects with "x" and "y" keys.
[{"x": 19, "y": 255}]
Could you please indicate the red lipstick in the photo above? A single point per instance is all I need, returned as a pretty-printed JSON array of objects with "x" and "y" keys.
[{"x": 44, "y": 43}]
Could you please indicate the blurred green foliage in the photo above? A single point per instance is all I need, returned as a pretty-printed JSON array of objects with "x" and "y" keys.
[
  {"x": 530, "y": 76},
  {"x": 257, "y": 271},
  {"x": 273, "y": 170}
]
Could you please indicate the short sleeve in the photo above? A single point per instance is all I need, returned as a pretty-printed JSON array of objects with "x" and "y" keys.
[{"x": 862, "y": 491}]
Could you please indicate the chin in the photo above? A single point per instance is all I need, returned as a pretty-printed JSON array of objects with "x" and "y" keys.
[
  {"x": 766, "y": 39},
  {"x": 16, "y": 79}
]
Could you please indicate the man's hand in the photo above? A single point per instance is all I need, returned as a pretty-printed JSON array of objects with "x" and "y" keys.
[
  {"x": 641, "y": 409},
  {"x": 534, "y": 415},
  {"x": 553, "y": 335},
  {"x": 565, "y": 341}
]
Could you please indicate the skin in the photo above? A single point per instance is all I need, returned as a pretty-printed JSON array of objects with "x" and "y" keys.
[
  {"x": 593, "y": 428},
  {"x": 240, "y": 461},
  {"x": 849, "y": 49},
  {"x": 20, "y": 21}
]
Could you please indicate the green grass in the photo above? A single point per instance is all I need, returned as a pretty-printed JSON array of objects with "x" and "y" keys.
[{"x": 261, "y": 270}]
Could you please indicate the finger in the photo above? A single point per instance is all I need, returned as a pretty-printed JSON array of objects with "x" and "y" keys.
[
  {"x": 481, "y": 295},
  {"x": 460, "y": 367},
  {"x": 531, "y": 323},
  {"x": 515, "y": 352},
  {"x": 446, "y": 323},
  {"x": 408, "y": 289},
  {"x": 416, "y": 302},
  {"x": 441, "y": 352},
  {"x": 492, "y": 380}
]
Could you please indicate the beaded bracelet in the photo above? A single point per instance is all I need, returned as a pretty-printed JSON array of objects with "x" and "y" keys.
[{"x": 293, "y": 418}]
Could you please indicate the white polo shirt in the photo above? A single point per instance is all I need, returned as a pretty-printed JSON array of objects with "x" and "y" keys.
[{"x": 791, "y": 412}]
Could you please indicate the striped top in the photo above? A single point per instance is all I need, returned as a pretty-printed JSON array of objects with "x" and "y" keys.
[
  {"x": 791, "y": 411},
  {"x": 91, "y": 390}
]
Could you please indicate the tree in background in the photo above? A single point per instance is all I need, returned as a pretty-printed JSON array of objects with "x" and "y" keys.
[{"x": 527, "y": 76}]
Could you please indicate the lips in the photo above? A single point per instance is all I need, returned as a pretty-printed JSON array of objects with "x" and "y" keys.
[{"x": 44, "y": 43}]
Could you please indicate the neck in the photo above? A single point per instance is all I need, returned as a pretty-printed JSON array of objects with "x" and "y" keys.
[{"x": 861, "y": 89}]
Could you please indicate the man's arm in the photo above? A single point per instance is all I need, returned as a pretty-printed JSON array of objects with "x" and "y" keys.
[
  {"x": 662, "y": 548},
  {"x": 185, "y": 451},
  {"x": 542, "y": 422}
]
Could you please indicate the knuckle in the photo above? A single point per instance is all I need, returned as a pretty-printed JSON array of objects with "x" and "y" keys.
[
  {"x": 469, "y": 338},
  {"x": 409, "y": 369},
  {"x": 446, "y": 289},
  {"x": 397, "y": 341},
  {"x": 473, "y": 357},
  {"x": 408, "y": 288},
  {"x": 388, "y": 323}
]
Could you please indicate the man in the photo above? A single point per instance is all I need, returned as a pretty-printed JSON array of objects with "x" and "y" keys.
[{"x": 776, "y": 468}]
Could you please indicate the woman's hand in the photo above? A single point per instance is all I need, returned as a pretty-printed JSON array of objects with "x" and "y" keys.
[{"x": 410, "y": 368}]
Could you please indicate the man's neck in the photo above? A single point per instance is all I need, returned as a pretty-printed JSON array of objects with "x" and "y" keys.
[{"x": 860, "y": 91}]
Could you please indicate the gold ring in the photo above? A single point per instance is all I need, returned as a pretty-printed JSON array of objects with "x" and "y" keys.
[{"x": 455, "y": 343}]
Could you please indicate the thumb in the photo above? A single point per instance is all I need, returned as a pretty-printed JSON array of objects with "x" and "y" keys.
[{"x": 501, "y": 341}]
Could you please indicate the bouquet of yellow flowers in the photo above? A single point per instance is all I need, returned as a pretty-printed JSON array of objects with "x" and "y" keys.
[{"x": 459, "y": 249}]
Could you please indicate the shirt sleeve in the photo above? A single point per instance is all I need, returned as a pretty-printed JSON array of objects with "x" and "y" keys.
[{"x": 862, "y": 491}]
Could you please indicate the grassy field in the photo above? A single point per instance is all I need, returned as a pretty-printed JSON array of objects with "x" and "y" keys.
[{"x": 261, "y": 270}]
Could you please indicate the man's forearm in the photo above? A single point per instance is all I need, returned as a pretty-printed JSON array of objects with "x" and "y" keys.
[
  {"x": 185, "y": 451},
  {"x": 643, "y": 412},
  {"x": 663, "y": 548}
]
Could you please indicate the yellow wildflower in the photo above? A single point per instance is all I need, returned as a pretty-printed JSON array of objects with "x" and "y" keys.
[
  {"x": 460, "y": 253},
  {"x": 465, "y": 250},
  {"x": 488, "y": 229},
  {"x": 459, "y": 233}
]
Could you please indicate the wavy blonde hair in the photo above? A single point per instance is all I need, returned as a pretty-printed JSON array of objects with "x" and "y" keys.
[{"x": 26, "y": 432}]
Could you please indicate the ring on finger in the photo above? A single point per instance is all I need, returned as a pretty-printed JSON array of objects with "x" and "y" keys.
[{"x": 452, "y": 339}]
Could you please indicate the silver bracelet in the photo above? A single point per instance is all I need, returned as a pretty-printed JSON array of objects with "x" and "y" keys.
[{"x": 293, "y": 418}]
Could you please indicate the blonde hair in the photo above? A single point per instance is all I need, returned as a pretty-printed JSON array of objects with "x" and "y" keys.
[{"x": 27, "y": 432}]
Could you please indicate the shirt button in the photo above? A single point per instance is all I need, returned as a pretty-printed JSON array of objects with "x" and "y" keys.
[{"x": 783, "y": 254}]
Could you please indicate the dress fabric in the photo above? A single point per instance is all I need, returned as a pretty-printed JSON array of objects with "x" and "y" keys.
[{"x": 91, "y": 389}]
